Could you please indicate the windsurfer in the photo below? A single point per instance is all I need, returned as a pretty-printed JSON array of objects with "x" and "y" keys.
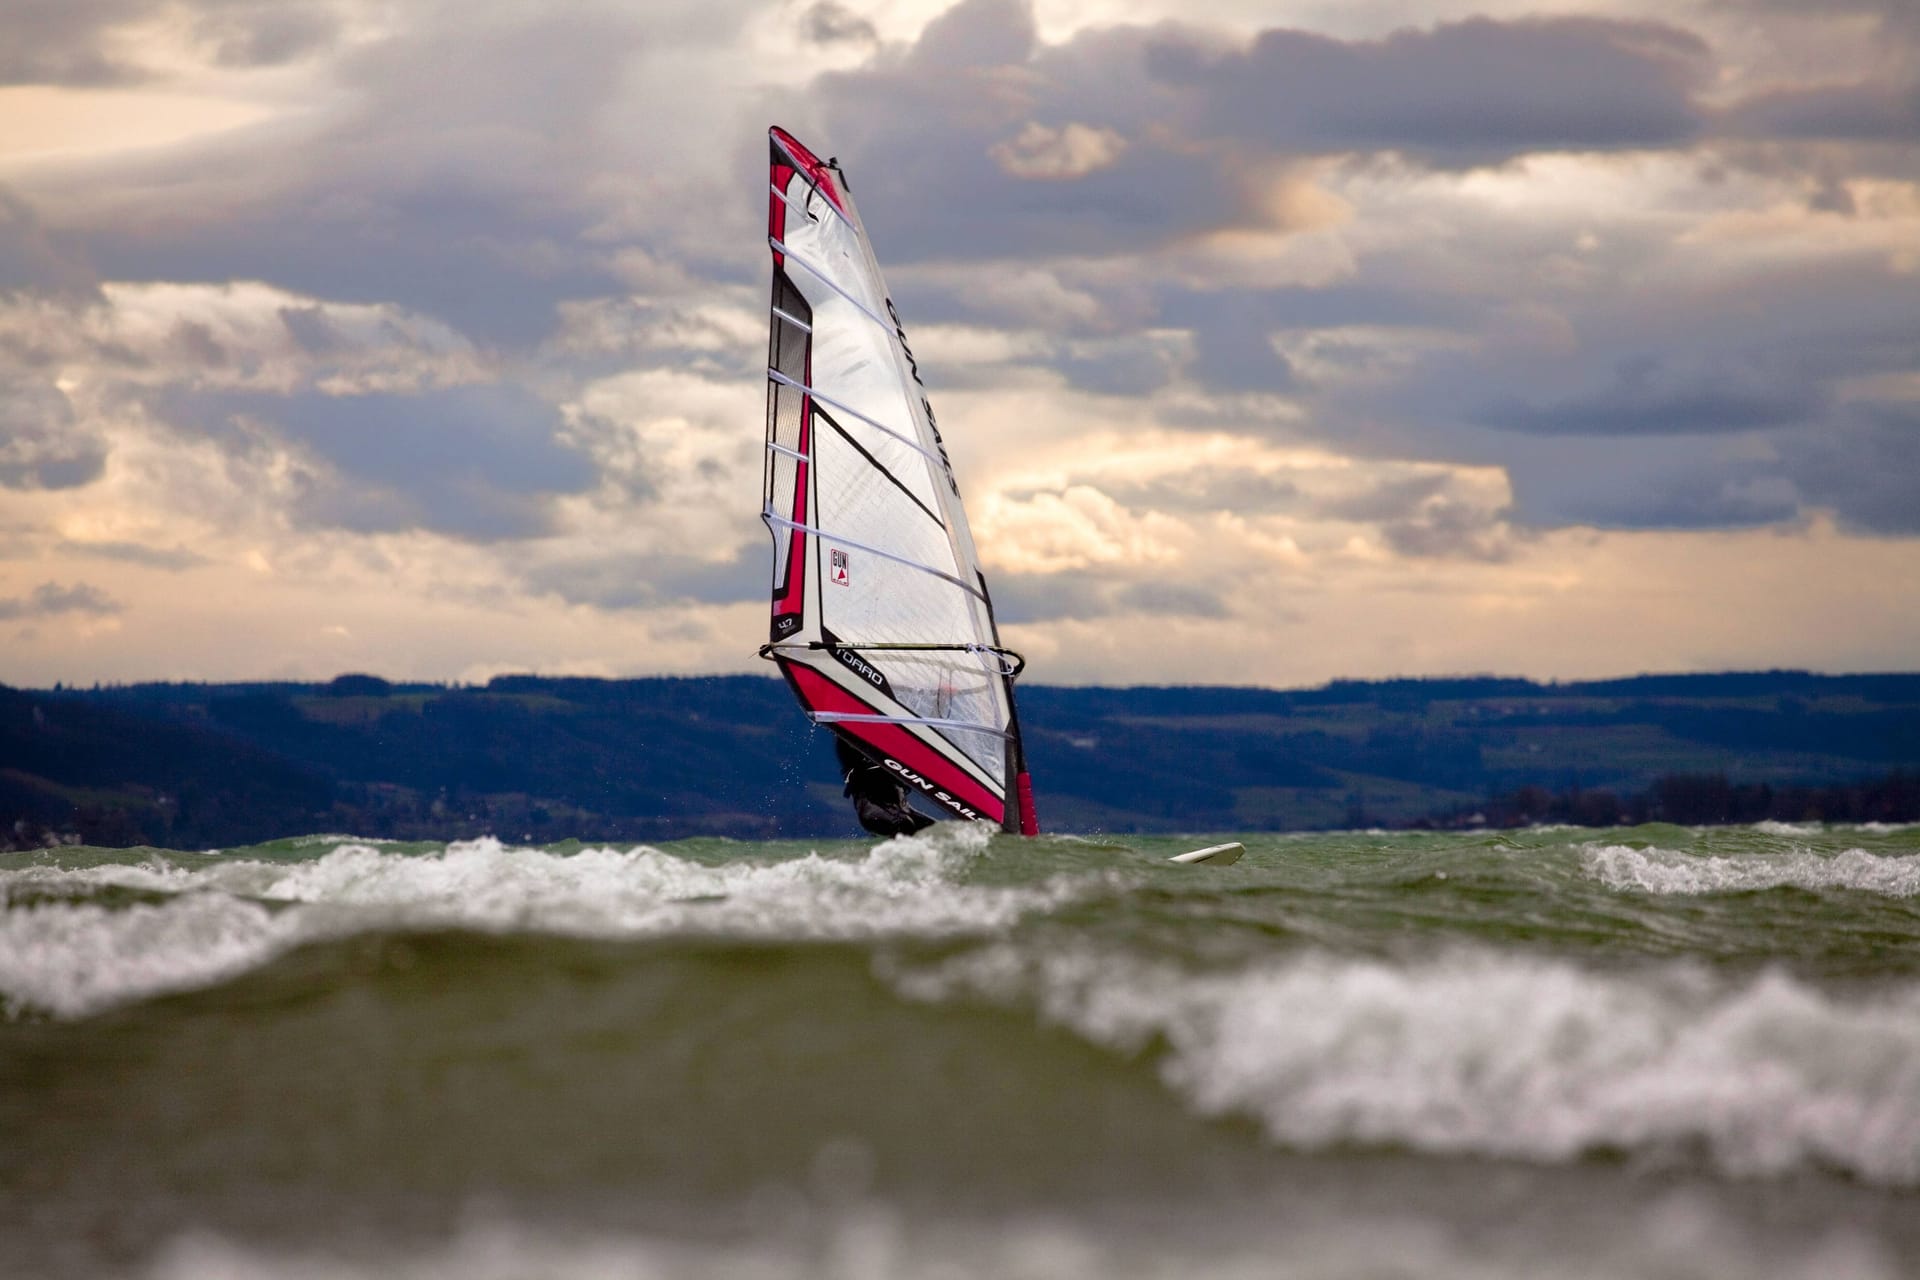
[{"x": 879, "y": 801}]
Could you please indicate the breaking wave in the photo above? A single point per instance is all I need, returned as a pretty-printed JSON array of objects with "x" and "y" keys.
[
  {"x": 62, "y": 953},
  {"x": 1657, "y": 870},
  {"x": 1681, "y": 1236},
  {"x": 1481, "y": 1053}
]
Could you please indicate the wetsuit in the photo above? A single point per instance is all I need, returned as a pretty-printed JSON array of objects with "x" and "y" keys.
[{"x": 879, "y": 801}]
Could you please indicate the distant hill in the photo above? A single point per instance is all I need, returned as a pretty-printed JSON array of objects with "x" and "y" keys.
[{"x": 528, "y": 757}]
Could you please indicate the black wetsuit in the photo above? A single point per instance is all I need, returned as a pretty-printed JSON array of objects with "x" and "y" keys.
[{"x": 879, "y": 801}]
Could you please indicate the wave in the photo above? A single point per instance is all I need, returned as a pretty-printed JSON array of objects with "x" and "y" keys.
[
  {"x": 1679, "y": 1235},
  {"x": 63, "y": 954},
  {"x": 1657, "y": 870},
  {"x": 1488, "y": 1054},
  {"x": 1770, "y": 827}
]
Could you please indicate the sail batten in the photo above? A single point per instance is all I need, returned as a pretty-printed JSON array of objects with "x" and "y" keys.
[
  {"x": 852, "y": 717},
  {"x": 842, "y": 540},
  {"x": 849, "y": 410},
  {"x": 881, "y": 622},
  {"x": 780, "y": 247},
  {"x": 802, "y": 325}
]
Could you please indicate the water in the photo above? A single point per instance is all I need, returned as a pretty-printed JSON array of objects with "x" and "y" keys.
[{"x": 1651, "y": 1052}]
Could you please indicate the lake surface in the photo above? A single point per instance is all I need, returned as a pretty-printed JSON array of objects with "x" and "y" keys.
[{"x": 1656, "y": 1051}]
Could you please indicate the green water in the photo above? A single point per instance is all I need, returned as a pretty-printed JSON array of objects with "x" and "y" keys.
[{"x": 1656, "y": 1051}]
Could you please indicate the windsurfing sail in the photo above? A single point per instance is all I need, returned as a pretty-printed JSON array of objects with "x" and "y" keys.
[{"x": 882, "y": 624}]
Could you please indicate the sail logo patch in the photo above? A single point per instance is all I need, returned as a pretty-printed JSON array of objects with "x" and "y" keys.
[{"x": 837, "y": 568}]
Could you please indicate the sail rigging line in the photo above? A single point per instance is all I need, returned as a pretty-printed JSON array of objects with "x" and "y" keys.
[
  {"x": 936, "y": 722},
  {"x": 818, "y": 273},
  {"x": 773, "y": 517},
  {"x": 785, "y": 452},
  {"x": 1011, "y": 663},
  {"x": 852, "y": 412}
]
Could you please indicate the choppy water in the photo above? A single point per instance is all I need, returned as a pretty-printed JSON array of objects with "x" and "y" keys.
[{"x": 1647, "y": 1052}]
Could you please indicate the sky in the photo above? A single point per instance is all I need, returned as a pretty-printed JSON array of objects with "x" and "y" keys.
[{"x": 1272, "y": 342}]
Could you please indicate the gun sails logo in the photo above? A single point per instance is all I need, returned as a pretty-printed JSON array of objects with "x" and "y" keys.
[{"x": 837, "y": 568}]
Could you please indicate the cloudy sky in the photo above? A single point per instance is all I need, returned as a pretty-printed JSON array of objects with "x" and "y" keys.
[{"x": 1273, "y": 341}]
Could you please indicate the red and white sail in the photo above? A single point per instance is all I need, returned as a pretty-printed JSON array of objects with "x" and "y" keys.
[{"x": 881, "y": 620}]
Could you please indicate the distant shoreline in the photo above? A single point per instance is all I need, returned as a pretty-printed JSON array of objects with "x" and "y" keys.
[{"x": 541, "y": 759}]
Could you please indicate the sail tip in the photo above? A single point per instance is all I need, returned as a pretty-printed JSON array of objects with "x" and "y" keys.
[{"x": 818, "y": 172}]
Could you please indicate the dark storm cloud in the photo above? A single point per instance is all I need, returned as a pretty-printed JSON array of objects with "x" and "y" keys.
[
  {"x": 627, "y": 580},
  {"x": 464, "y": 183},
  {"x": 473, "y": 462},
  {"x": 81, "y": 42},
  {"x": 1205, "y": 489},
  {"x": 51, "y": 598},
  {"x": 1654, "y": 396},
  {"x": 253, "y": 33},
  {"x": 1898, "y": 20},
  {"x": 1418, "y": 517},
  {"x": 42, "y": 446},
  {"x": 61, "y": 41},
  {"x": 310, "y": 327},
  {"x": 977, "y": 34},
  {"x": 831, "y": 23},
  {"x": 1020, "y": 598},
  {"x": 931, "y": 172},
  {"x": 32, "y": 258},
  {"x": 1450, "y": 530},
  {"x": 1392, "y": 500},
  {"x": 1861, "y": 112},
  {"x": 1233, "y": 350},
  {"x": 1125, "y": 138},
  {"x": 1473, "y": 90},
  {"x": 1047, "y": 597},
  {"x": 1862, "y": 464},
  {"x": 169, "y": 558},
  {"x": 1866, "y": 471},
  {"x": 1739, "y": 496},
  {"x": 469, "y": 178},
  {"x": 1171, "y": 600},
  {"x": 1131, "y": 366}
]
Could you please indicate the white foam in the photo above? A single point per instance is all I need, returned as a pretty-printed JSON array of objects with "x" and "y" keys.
[
  {"x": 1496, "y": 1054},
  {"x": 1656, "y": 870},
  {"x": 71, "y": 959},
  {"x": 74, "y": 958},
  {"x": 1768, "y": 827},
  {"x": 1681, "y": 1236}
]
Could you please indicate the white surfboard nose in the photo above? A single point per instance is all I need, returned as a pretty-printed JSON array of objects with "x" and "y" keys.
[{"x": 1219, "y": 855}]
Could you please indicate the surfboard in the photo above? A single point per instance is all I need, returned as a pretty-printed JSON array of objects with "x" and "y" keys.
[{"x": 1216, "y": 855}]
